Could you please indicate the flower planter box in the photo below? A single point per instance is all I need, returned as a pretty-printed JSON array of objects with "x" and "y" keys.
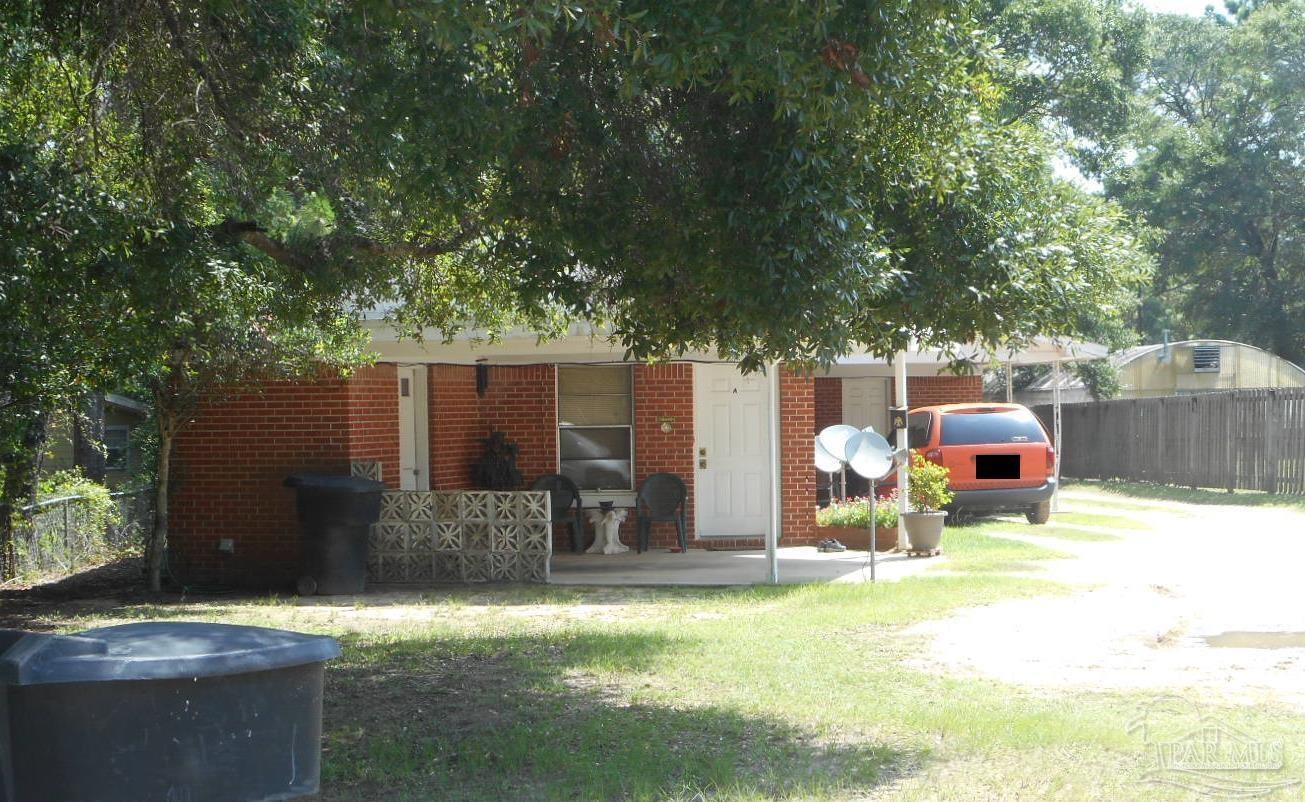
[{"x": 858, "y": 538}]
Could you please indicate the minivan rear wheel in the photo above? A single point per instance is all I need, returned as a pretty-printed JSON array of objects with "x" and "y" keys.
[{"x": 1039, "y": 513}]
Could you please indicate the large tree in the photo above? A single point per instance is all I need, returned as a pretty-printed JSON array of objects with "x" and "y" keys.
[
  {"x": 1220, "y": 170},
  {"x": 777, "y": 180}
]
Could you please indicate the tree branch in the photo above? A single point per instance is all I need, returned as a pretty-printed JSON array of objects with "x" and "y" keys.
[{"x": 256, "y": 236}]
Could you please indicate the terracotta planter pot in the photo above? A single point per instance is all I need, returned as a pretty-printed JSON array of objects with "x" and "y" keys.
[
  {"x": 854, "y": 537},
  {"x": 924, "y": 529}
]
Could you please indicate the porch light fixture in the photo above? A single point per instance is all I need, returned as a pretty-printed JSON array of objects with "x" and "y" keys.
[{"x": 667, "y": 422}]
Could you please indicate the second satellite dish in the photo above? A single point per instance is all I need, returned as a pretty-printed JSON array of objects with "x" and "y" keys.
[
  {"x": 869, "y": 455},
  {"x": 825, "y": 461},
  {"x": 834, "y": 438}
]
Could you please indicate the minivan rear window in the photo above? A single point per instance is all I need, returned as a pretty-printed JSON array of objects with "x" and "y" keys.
[{"x": 1007, "y": 426}]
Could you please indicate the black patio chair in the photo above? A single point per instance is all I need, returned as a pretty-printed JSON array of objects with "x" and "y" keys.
[
  {"x": 566, "y": 505},
  {"x": 662, "y": 498}
]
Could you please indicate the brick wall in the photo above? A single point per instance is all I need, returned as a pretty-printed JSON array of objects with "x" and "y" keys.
[
  {"x": 828, "y": 399},
  {"x": 455, "y": 425},
  {"x": 229, "y": 463},
  {"x": 663, "y": 391},
  {"x": 924, "y": 391},
  {"x": 373, "y": 418},
  {"x": 797, "y": 420},
  {"x": 520, "y": 401}
]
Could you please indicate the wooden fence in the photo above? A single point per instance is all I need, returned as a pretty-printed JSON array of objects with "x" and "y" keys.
[{"x": 1237, "y": 440}]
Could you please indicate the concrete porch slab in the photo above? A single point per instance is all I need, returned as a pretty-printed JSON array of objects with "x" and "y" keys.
[{"x": 797, "y": 564}]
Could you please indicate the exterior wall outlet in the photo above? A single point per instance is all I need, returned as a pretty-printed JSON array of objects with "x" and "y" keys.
[{"x": 227, "y": 545}]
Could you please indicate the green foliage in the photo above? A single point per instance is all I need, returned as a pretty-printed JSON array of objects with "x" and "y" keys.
[
  {"x": 71, "y": 526},
  {"x": 778, "y": 181},
  {"x": 855, "y": 512},
  {"x": 73, "y": 482},
  {"x": 928, "y": 484},
  {"x": 1074, "y": 64},
  {"x": 1219, "y": 171}
]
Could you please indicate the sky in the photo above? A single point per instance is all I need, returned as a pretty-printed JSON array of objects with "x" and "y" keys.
[{"x": 1194, "y": 7}]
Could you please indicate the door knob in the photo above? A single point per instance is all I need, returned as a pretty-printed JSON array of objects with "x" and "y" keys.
[{"x": 702, "y": 463}]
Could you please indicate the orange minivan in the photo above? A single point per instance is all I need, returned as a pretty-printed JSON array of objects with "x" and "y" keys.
[{"x": 999, "y": 455}]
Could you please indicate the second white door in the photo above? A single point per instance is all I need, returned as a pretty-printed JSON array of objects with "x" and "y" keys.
[
  {"x": 414, "y": 449},
  {"x": 865, "y": 403},
  {"x": 732, "y": 426}
]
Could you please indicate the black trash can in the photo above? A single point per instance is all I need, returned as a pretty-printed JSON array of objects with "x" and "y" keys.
[
  {"x": 335, "y": 513},
  {"x": 161, "y": 711}
]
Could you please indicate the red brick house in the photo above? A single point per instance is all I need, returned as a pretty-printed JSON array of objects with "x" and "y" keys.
[{"x": 572, "y": 406}]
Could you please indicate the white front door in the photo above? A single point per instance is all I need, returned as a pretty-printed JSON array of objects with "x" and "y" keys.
[
  {"x": 865, "y": 403},
  {"x": 414, "y": 448},
  {"x": 732, "y": 427}
]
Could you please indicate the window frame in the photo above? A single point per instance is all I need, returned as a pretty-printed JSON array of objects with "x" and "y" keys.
[
  {"x": 126, "y": 448},
  {"x": 559, "y": 427}
]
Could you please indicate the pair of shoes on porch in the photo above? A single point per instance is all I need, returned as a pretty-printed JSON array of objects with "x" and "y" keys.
[{"x": 829, "y": 544}]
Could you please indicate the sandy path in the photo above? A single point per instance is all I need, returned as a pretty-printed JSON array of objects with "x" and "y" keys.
[{"x": 1148, "y": 601}]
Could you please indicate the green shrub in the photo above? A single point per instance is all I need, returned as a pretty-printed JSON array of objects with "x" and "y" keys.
[
  {"x": 928, "y": 483},
  {"x": 62, "y": 535},
  {"x": 855, "y": 512}
]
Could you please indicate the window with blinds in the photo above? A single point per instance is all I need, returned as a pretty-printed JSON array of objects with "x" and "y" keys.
[{"x": 595, "y": 426}]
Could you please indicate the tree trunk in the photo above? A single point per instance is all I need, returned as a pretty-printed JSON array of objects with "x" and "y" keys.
[
  {"x": 19, "y": 487},
  {"x": 158, "y": 542}
]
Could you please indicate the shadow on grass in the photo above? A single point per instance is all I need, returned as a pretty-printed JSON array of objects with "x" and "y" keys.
[{"x": 560, "y": 716}]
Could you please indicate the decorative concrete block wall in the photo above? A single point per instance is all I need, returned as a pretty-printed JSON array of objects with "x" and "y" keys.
[{"x": 471, "y": 536}]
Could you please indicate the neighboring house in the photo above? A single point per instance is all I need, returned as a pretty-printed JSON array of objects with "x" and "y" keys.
[
  {"x": 572, "y": 406},
  {"x": 1180, "y": 368},
  {"x": 70, "y": 444}
]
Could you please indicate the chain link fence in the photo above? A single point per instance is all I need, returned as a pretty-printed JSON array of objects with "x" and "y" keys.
[{"x": 60, "y": 535}]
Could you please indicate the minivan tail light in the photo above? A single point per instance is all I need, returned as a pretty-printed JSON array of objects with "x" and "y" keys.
[
  {"x": 1051, "y": 459},
  {"x": 934, "y": 455}
]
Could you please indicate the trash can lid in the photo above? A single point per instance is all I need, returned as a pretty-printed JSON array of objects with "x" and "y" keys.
[
  {"x": 334, "y": 482},
  {"x": 158, "y": 650}
]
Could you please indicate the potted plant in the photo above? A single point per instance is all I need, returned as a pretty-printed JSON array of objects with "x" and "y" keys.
[
  {"x": 497, "y": 468},
  {"x": 848, "y": 522},
  {"x": 928, "y": 494}
]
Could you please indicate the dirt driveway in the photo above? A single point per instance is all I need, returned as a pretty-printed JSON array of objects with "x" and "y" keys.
[{"x": 1148, "y": 602}]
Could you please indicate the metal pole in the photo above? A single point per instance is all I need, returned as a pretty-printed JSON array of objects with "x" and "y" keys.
[
  {"x": 1010, "y": 383},
  {"x": 903, "y": 441},
  {"x": 873, "y": 524},
  {"x": 1055, "y": 425},
  {"x": 772, "y": 532}
]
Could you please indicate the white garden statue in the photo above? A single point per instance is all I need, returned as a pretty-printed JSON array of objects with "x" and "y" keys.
[{"x": 607, "y": 531}]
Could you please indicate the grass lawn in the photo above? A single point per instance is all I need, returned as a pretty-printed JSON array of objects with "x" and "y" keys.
[{"x": 794, "y": 693}]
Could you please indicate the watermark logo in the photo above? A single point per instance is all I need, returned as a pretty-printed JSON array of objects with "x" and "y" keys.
[{"x": 1200, "y": 753}]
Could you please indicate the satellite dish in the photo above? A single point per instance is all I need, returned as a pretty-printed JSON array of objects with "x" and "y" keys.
[
  {"x": 870, "y": 456},
  {"x": 834, "y": 439},
  {"x": 826, "y": 462}
]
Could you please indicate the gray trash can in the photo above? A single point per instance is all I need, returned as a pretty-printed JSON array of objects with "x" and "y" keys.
[
  {"x": 335, "y": 513},
  {"x": 161, "y": 711}
]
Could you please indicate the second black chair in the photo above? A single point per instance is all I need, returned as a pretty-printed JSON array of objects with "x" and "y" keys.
[
  {"x": 566, "y": 505},
  {"x": 662, "y": 497}
]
